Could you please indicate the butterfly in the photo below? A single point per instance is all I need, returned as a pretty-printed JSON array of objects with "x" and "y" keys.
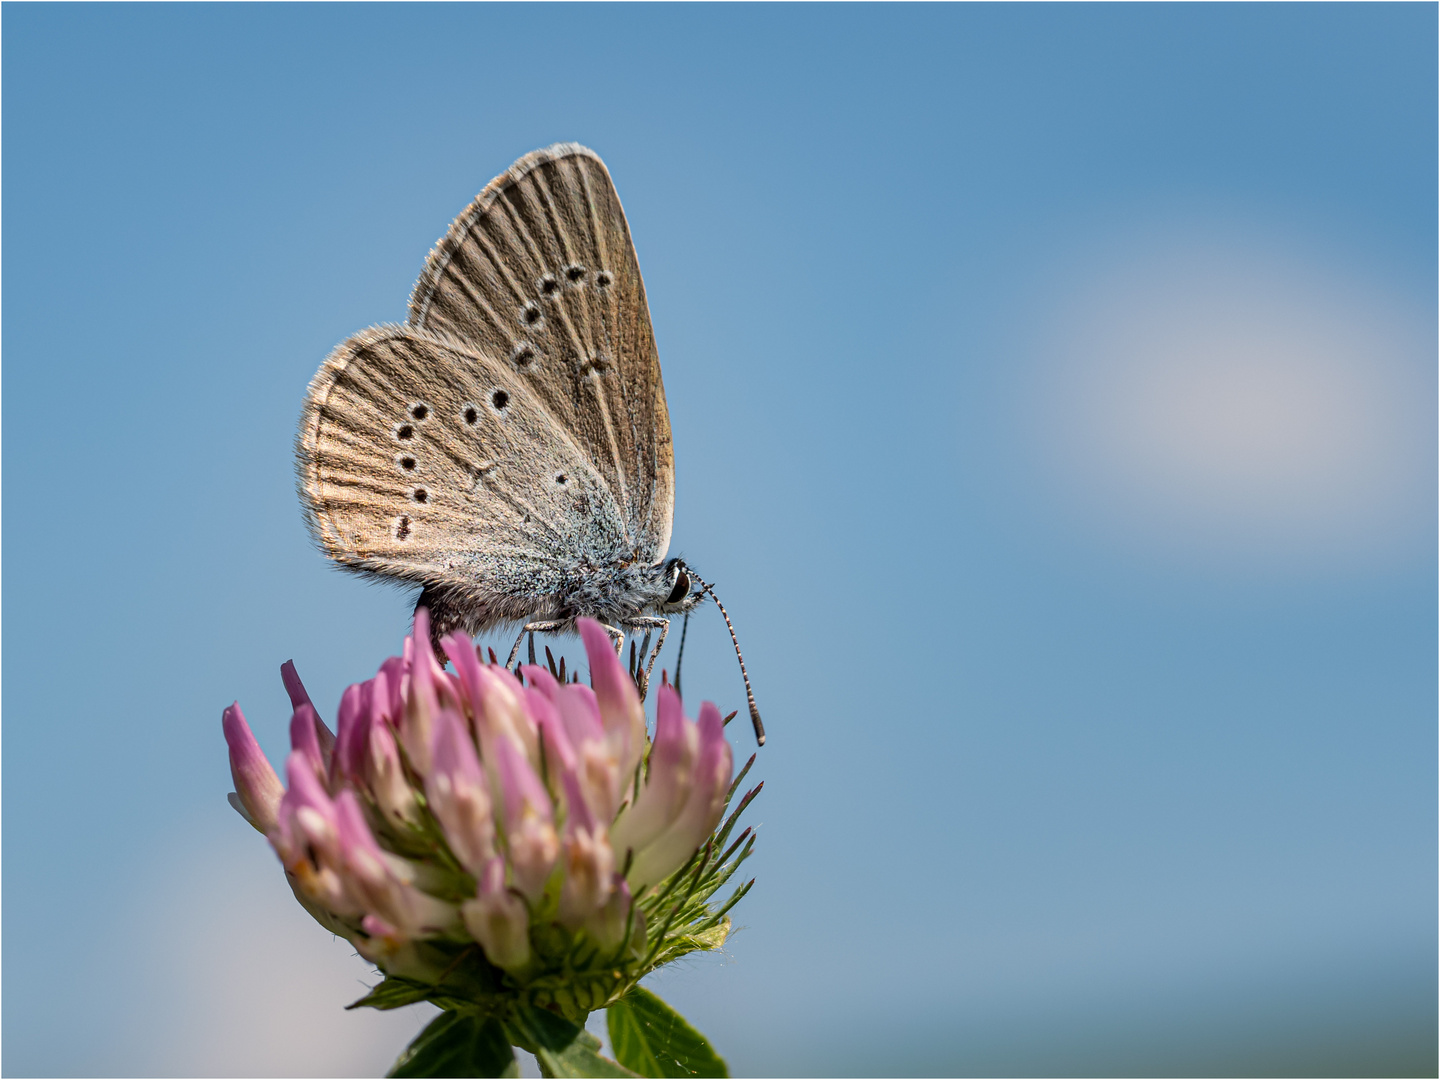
[{"x": 508, "y": 446}]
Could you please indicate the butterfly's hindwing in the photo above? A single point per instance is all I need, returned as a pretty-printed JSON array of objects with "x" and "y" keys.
[
  {"x": 423, "y": 459},
  {"x": 540, "y": 273}
]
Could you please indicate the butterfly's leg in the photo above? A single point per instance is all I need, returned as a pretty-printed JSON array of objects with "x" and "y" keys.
[
  {"x": 651, "y": 622},
  {"x": 530, "y": 628},
  {"x": 616, "y": 635}
]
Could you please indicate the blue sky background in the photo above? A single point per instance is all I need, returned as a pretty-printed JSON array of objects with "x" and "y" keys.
[{"x": 1053, "y": 393}]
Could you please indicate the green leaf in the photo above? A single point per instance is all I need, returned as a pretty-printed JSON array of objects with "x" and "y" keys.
[
  {"x": 456, "y": 1044},
  {"x": 652, "y": 1039},
  {"x": 392, "y": 993},
  {"x": 560, "y": 1047}
]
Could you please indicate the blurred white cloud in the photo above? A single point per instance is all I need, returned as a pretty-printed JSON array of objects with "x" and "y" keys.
[
  {"x": 235, "y": 979},
  {"x": 1230, "y": 399}
]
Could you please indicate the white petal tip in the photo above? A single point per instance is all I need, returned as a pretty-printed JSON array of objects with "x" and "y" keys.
[{"x": 240, "y": 809}]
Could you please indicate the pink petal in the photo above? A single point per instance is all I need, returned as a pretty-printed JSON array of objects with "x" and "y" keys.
[
  {"x": 580, "y": 712},
  {"x": 354, "y": 833},
  {"x": 391, "y": 702},
  {"x": 306, "y": 816},
  {"x": 461, "y": 651},
  {"x": 540, "y": 679},
  {"x": 501, "y": 714},
  {"x": 589, "y": 871},
  {"x": 452, "y": 751},
  {"x": 458, "y": 794},
  {"x": 530, "y": 836},
  {"x": 377, "y": 927},
  {"x": 421, "y": 700},
  {"x": 615, "y": 691},
  {"x": 558, "y": 749},
  {"x": 293, "y": 686},
  {"x": 298, "y": 697},
  {"x": 520, "y": 784},
  {"x": 303, "y": 787},
  {"x": 669, "y": 779},
  {"x": 607, "y": 925},
  {"x": 497, "y": 919},
  {"x": 580, "y": 815},
  {"x": 386, "y": 777},
  {"x": 702, "y": 809},
  {"x": 256, "y": 784},
  {"x": 354, "y": 730},
  {"x": 305, "y": 739}
]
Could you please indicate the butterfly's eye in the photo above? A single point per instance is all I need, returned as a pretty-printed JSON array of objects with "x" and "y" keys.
[
  {"x": 548, "y": 285},
  {"x": 500, "y": 399},
  {"x": 602, "y": 278},
  {"x": 420, "y": 410},
  {"x": 531, "y": 314},
  {"x": 405, "y": 431},
  {"x": 681, "y": 589},
  {"x": 471, "y": 414},
  {"x": 574, "y": 273}
]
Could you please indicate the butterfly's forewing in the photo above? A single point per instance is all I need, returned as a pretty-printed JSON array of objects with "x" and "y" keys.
[
  {"x": 424, "y": 459},
  {"x": 540, "y": 272}
]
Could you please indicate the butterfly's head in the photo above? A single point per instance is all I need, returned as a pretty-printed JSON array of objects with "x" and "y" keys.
[{"x": 686, "y": 591}]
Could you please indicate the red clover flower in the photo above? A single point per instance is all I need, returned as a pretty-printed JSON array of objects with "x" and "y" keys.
[{"x": 518, "y": 851}]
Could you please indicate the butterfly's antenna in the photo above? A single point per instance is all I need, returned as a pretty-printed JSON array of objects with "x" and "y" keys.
[
  {"x": 680, "y": 655},
  {"x": 749, "y": 694}
]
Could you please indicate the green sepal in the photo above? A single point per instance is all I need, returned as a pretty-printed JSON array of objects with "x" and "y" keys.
[
  {"x": 455, "y": 976},
  {"x": 393, "y": 993},
  {"x": 652, "y": 1039},
  {"x": 560, "y": 1047},
  {"x": 458, "y": 1044}
]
